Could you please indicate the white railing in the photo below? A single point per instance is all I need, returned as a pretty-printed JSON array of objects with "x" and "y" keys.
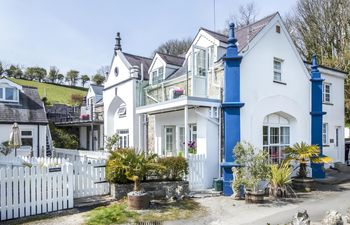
[
  {"x": 196, "y": 173},
  {"x": 77, "y": 155},
  {"x": 30, "y": 191},
  {"x": 90, "y": 178}
]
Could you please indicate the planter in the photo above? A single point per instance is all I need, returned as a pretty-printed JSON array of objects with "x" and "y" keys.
[
  {"x": 278, "y": 192},
  {"x": 303, "y": 184},
  {"x": 254, "y": 197},
  {"x": 155, "y": 189},
  {"x": 138, "y": 200}
]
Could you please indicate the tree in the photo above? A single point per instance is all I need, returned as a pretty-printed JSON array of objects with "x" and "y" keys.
[
  {"x": 60, "y": 78},
  {"x": 2, "y": 69},
  {"x": 72, "y": 77},
  {"x": 76, "y": 99},
  {"x": 98, "y": 79},
  {"x": 35, "y": 73},
  {"x": 14, "y": 71},
  {"x": 84, "y": 78},
  {"x": 322, "y": 27},
  {"x": 104, "y": 70},
  {"x": 175, "y": 47},
  {"x": 246, "y": 15},
  {"x": 53, "y": 74}
]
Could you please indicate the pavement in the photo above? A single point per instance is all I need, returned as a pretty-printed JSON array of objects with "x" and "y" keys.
[{"x": 330, "y": 195}]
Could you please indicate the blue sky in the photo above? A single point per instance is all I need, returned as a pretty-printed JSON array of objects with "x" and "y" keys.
[{"x": 79, "y": 34}]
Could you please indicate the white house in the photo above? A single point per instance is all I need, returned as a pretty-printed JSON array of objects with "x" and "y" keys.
[
  {"x": 90, "y": 119},
  {"x": 171, "y": 100},
  {"x": 22, "y": 105}
]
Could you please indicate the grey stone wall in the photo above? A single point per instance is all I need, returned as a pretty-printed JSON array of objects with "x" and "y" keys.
[{"x": 157, "y": 190}]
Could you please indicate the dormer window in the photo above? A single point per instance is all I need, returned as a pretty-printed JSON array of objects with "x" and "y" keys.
[
  {"x": 9, "y": 94},
  {"x": 157, "y": 75}
]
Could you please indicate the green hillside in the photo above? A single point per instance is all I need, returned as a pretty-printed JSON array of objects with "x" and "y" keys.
[{"x": 54, "y": 93}]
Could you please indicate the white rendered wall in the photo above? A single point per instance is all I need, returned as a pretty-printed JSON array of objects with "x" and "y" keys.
[
  {"x": 263, "y": 97},
  {"x": 83, "y": 137}
]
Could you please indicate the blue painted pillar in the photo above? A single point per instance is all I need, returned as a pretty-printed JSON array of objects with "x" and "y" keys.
[
  {"x": 316, "y": 115},
  {"x": 231, "y": 106}
]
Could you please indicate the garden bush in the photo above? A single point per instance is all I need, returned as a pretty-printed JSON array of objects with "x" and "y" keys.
[
  {"x": 175, "y": 168},
  {"x": 123, "y": 164}
]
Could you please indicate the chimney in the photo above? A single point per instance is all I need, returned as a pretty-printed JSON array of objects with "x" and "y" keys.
[{"x": 118, "y": 45}]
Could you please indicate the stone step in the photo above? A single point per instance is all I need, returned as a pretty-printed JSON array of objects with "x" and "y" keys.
[
  {"x": 92, "y": 201},
  {"x": 205, "y": 193}
]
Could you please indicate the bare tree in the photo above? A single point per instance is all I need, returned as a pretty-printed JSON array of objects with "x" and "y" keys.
[
  {"x": 175, "y": 47},
  {"x": 103, "y": 70},
  {"x": 322, "y": 27},
  {"x": 246, "y": 15}
]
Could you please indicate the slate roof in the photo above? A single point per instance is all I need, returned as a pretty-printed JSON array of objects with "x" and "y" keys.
[
  {"x": 136, "y": 60},
  {"x": 244, "y": 34},
  {"x": 172, "y": 59},
  {"x": 97, "y": 89},
  {"x": 30, "y": 108}
]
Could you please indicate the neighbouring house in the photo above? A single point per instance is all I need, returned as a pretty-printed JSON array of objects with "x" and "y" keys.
[
  {"x": 22, "y": 105},
  {"x": 62, "y": 113},
  {"x": 249, "y": 86},
  {"x": 89, "y": 118}
]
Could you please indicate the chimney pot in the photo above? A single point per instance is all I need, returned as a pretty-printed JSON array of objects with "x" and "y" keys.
[{"x": 118, "y": 45}]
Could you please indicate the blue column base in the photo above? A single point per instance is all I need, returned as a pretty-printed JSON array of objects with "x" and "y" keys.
[
  {"x": 227, "y": 188},
  {"x": 318, "y": 171}
]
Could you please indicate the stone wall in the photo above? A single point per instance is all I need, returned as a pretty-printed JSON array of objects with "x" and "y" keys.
[
  {"x": 150, "y": 134},
  {"x": 157, "y": 190}
]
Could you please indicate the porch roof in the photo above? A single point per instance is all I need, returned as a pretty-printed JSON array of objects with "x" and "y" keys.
[{"x": 178, "y": 103}]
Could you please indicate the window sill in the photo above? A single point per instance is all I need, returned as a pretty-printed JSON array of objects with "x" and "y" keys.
[
  {"x": 279, "y": 82},
  {"x": 327, "y": 103}
]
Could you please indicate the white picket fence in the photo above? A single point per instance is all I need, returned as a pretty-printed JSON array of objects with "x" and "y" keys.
[
  {"x": 90, "y": 178},
  {"x": 28, "y": 191},
  {"x": 196, "y": 173},
  {"x": 74, "y": 155}
]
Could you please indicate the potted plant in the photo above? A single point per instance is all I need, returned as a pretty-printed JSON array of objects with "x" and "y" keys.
[
  {"x": 280, "y": 179},
  {"x": 253, "y": 173},
  {"x": 304, "y": 154},
  {"x": 138, "y": 166}
]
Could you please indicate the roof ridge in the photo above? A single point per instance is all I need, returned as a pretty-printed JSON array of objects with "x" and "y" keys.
[
  {"x": 171, "y": 55},
  {"x": 239, "y": 28},
  {"x": 137, "y": 55}
]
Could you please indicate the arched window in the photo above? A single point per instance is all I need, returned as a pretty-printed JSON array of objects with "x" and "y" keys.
[{"x": 276, "y": 136}]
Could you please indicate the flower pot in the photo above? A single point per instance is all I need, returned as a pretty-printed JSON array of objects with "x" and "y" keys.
[
  {"x": 254, "y": 197},
  {"x": 278, "y": 192},
  {"x": 303, "y": 184},
  {"x": 138, "y": 200}
]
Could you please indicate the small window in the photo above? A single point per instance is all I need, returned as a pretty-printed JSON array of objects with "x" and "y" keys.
[
  {"x": 27, "y": 138},
  {"x": 122, "y": 111},
  {"x": 193, "y": 132},
  {"x": 277, "y": 70},
  {"x": 325, "y": 133},
  {"x": 123, "y": 138},
  {"x": 278, "y": 29},
  {"x": 326, "y": 93},
  {"x": 26, "y": 133}
]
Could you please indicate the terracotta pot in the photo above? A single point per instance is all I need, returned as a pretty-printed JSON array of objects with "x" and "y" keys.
[
  {"x": 138, "y": 201},
  {"x": 303, "y": 184},
  {"x": 254, "y": 197}
]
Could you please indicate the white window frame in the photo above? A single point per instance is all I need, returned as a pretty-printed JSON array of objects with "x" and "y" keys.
[
  {"x": 281, "y": 146},
  {"x": 15, "y": 93},
  {"x": 325, "y": 133},
  {"x": 193, "y": 132},
  {"x": 280, "y": 71},
  {"x": 329, "y": 93},
  {"x": 169, "y": 151},
  {"x": 123, "y": 138},
  {"x": 27, "y": 136},
  {"x": 156, "y": 73},
  {"x": 122, "y": 111}
]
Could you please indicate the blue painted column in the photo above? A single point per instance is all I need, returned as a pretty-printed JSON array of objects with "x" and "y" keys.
[
  {"x": 316, "y": 115},
  {"x": 231, "y": 106}
]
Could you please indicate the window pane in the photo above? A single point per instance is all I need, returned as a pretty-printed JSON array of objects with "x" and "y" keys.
[
  {"x": 1, "y": 93},
  {"x": 200, "y": 63},
  {"x": 26, "y": 133},
  {"x": 27, "y": 142},
  {"x": 9, "y": 94},
  {"x": 274, "y": 135},
  {"x": 277, "y": 76},
  {"x": 277, "y": 65},
  {"x": 285, "y": 135}
]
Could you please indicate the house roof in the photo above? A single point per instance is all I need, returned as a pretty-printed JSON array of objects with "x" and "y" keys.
[
  {"x": 30, "y": 108},
  {"x": 136, "y": 60},
  {"x": 97, "y": 89},
  {"x": 172, "y": 59},
  {"x": 181, "y": 71},
  {"x": 243, "y": 34}
]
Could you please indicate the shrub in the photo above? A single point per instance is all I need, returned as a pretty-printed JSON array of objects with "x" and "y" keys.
[
  {"x": 63, "y": 138},
  {"x": 175, "y": 168}
]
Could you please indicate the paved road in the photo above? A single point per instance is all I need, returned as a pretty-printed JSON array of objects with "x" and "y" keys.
[{"x": 226, "y": 211}]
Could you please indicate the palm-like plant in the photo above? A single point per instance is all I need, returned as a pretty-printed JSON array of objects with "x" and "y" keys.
[
  {"x": 280, "y": 178},
  {"x": 304, "y": 154}
]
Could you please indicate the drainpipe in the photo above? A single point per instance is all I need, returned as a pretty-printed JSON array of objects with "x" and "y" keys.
[{"x": 316, "y": 116}]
